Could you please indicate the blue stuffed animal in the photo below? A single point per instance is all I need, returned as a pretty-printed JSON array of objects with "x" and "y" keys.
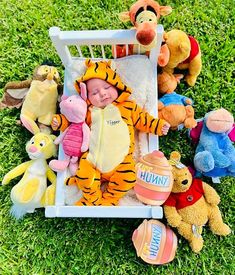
[{"x": 215, "y": 153}]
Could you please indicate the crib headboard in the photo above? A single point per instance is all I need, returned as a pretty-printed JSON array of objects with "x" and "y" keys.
[{"x": 63, "y": 40}]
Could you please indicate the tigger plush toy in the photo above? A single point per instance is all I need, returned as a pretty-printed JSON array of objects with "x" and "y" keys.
[
  {"x": 144, "y": 16},
  {"x": 110, "y": 154}
]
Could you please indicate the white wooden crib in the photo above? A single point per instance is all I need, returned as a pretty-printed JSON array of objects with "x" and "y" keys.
[{"x": 63, "y": 41}]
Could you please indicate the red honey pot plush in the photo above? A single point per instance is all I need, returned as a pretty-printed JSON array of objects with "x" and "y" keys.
[
  {"x": 154, "y": 242},
  {"x": 154, "y": 179}
]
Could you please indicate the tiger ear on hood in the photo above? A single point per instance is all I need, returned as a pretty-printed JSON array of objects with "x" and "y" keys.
[{"x": 88, "y": 62}]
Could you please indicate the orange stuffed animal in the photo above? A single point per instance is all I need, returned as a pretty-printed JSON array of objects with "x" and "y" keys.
[
  {"x": 174, "y": 108},
  {"x": 144, "y": 15}
]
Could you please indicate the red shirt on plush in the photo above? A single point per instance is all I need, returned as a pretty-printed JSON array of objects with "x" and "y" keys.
[
  {"x": 194, "y": 50},
  {"x": 187, "y": 198}
]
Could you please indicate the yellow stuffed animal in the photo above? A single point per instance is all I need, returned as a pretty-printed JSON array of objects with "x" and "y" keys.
[
  {"x": 191, "y": 205},
  {"x": 184, "y": 54},
  {"x": 32, "y": 191},
  {"x": 38, "y": 98}
]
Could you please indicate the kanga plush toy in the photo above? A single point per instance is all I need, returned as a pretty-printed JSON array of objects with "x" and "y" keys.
[
  {"x": 144, "y": 15},
  {"x": 191, "y": 205},
  {"x": 32, "y": 191},
  {"x": 38, "y": 98},
  {"x": 75, "y": 139},
  {"x": 174, "y": 108},
  {"x": 215, "y": 153},
  {"x": 184, "y": 54}
]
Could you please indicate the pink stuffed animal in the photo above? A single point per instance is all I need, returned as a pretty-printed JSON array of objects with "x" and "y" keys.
[{"x": 75, "y": 138}]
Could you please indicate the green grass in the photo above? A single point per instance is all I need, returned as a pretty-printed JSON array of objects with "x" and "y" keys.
[{"x": 36, "y": 245}]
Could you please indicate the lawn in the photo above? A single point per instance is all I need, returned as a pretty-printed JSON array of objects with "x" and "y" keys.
[{"x": 36, "y": 245}]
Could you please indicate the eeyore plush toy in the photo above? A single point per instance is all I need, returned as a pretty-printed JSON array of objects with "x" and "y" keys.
[{"x": 215, "y": 153}]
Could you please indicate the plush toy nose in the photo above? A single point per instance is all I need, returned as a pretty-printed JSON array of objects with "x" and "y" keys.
[
  {"x": 184, "y": 182},
  {"x": 33, "y": 149},
  {"x": 145, "y": 37},
  {"x": 50, "y": 76}
]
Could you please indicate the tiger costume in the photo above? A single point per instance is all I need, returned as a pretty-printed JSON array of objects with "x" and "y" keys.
[{"x": 110, "y": 154}]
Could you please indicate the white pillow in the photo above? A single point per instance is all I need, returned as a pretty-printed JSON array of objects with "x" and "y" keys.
[{"x": 136, "y": 71}]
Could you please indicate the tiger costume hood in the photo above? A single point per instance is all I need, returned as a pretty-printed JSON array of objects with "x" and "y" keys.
[{"x": 102, "y": 70}]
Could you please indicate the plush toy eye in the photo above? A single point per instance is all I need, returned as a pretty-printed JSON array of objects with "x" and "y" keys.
[
  {"x": 47, "y": 69},
  {"x": 42, "y": 143},
  {"x": 32, "y": 142}
]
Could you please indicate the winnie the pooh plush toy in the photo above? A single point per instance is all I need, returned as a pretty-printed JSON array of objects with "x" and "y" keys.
[
  {"x": 184, "y": 54},
  {"x": 191, "y": 205},
  {"x": 174, "y": 108}
]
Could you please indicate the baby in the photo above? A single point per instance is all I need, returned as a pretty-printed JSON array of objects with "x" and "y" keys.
[{"x": 112, "y": 118}]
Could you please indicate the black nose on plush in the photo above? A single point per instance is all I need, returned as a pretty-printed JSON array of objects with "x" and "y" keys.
[{"x": 184, "y": 182}]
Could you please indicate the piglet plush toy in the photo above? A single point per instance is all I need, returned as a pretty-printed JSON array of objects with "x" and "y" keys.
[{"x": 75, "y": 138}]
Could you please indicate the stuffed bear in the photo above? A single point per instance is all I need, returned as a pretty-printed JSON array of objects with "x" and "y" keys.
[
  {"x": 215, "y": 153},
  {"x": 191, "y": 205},
  {"x": 174, "y": 108},
  {"x": 184, "y": 54}
]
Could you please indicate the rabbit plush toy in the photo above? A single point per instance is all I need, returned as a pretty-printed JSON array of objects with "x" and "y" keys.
[
  {"x": 75, "y": 138},
  {"x": 31, "y": 191}
]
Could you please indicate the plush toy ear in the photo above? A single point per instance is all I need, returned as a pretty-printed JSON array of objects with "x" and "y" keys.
[
  {"x": 165, "y": 36},
  {"x": 164, "y": 56},
  {"x": 29, "y": 124},
  {"x": 178, "y": 77},
  {"x": 183, "y": 47},
  {"x": 124, "y": 16},
  {"x": 175, "y": 156},
  {"x": 88, "y": 62},
  {"x": 64, "y": 97},
  {"x": 83, "y": 91},
  {"x": 165, "y": 10}
]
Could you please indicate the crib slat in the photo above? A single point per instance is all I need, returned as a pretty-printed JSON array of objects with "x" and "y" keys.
[
  {"x": 91, "y": 51},
  {"x": 127, "y": 49},
  {"x": 79, "y": 51},
  {"x": 114, "y": 51},
  {"x": 103, "y": 52}
]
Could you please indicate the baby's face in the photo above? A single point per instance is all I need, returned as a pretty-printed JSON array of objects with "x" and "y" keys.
[{"x": 100, "y": 92}]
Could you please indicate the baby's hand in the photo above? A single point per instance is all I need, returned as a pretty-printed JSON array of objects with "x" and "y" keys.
[{"x": 165, "y": 128}]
